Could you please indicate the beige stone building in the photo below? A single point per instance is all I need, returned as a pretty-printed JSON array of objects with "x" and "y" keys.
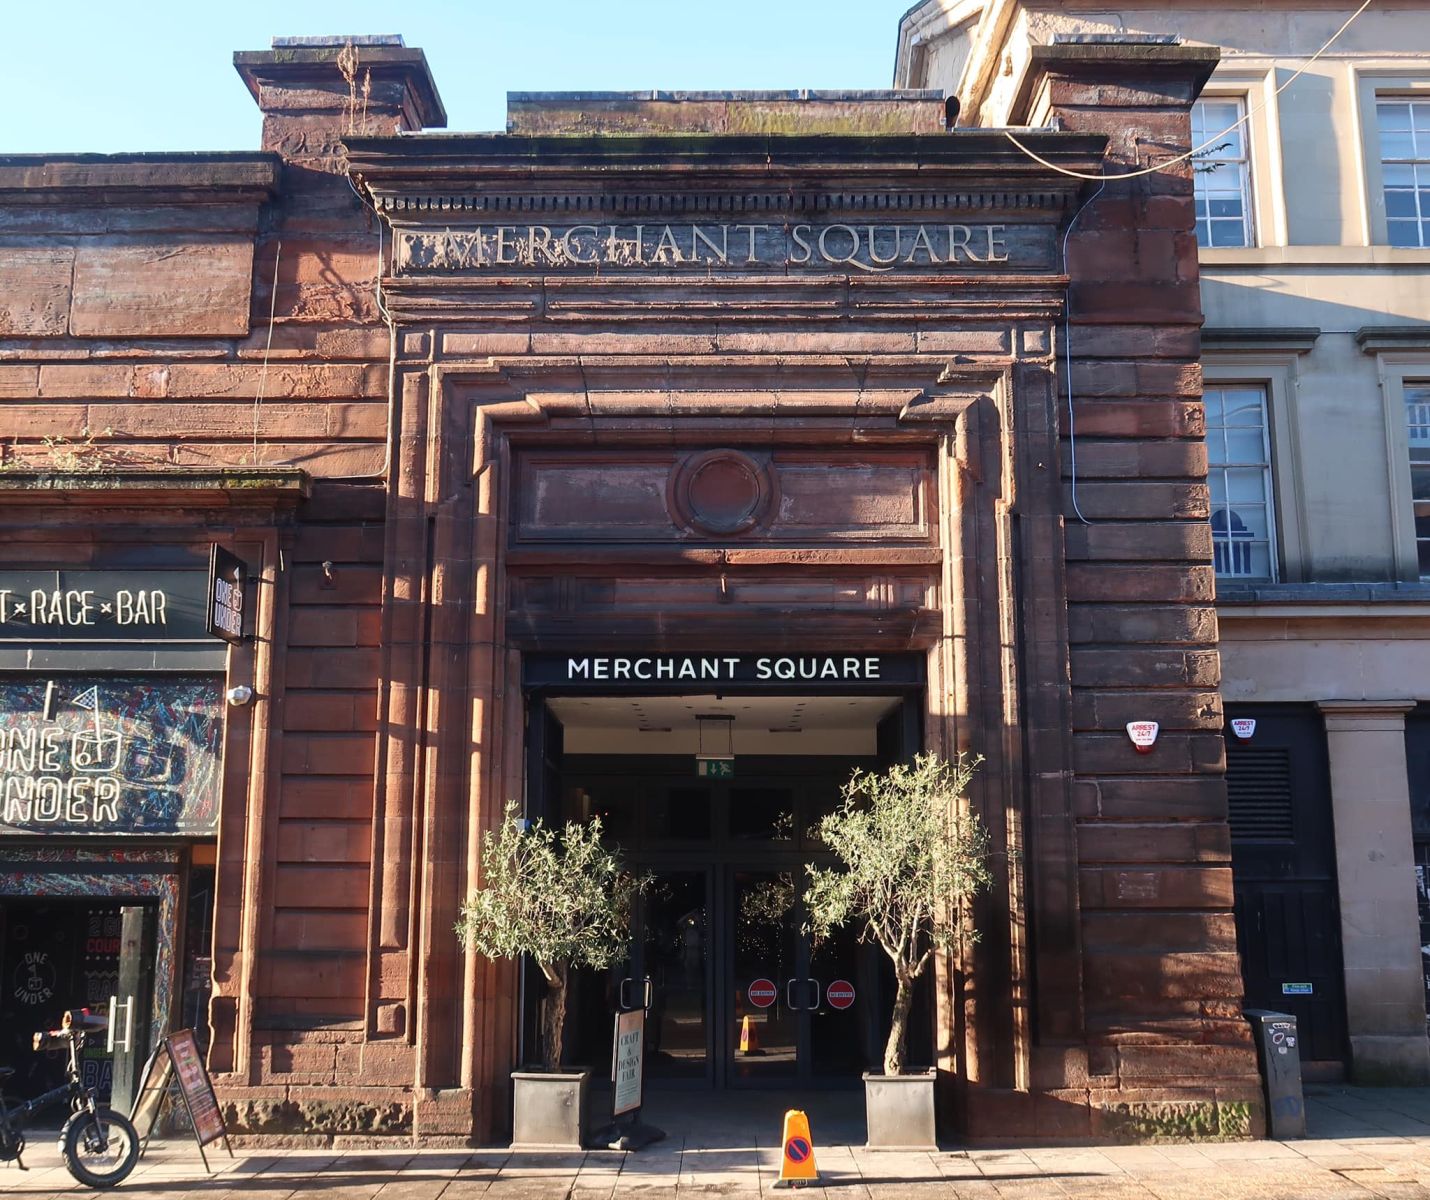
[{"x": 1313, "y": 220}]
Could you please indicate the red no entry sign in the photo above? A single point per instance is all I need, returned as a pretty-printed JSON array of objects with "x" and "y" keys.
[
  {"x": 840, "y": 993},
  {"x": 762, "y": 993}
]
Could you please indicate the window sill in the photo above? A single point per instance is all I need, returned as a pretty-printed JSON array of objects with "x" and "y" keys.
[
  {"x": 1315, "y": 256},
  {"x": 1322, "y": 593}
]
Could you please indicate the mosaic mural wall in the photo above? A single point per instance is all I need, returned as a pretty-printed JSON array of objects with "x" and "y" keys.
[{"x": 110, "y": 754}]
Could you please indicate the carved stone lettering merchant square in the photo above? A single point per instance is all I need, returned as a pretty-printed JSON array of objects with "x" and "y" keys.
[{"x": 727, "y": 246}]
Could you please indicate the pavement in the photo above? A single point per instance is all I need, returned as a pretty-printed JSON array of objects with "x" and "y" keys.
[{"x": 1363, "y": 1142}]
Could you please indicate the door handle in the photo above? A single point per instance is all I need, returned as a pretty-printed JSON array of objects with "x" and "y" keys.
[
  {"x": 623, "y": 997},
  {"x": 790, "y": 994},
  {"x": 113, "y": 1043}
]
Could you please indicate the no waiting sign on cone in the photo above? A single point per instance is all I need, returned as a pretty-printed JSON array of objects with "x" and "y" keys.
[{"x": 797, "y": 1167}]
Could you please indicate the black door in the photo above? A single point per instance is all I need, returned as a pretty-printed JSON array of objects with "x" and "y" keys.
[
  {"x": 61, "y": 954},
  {"x": 1283, "y": 862},
  {"x": 1417, "y": 757}
]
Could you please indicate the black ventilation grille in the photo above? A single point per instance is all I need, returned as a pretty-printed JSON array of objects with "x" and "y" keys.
[{"x": 1258, "y": 785}]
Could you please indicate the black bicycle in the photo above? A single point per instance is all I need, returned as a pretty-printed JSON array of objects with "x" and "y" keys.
[{"x": 99, "y": 1148}]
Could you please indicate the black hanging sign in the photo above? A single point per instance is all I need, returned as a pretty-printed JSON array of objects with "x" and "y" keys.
[{"x": 228, "y": 584}]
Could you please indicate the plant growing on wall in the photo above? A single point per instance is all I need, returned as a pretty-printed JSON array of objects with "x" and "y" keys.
[
  {"x": 909, "y": 853},
  {"x": 559, "y": 896}
]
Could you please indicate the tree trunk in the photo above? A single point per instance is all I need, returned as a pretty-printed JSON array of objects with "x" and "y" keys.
[
  {"x": 553, "y": 1016},
  {"x": 899, "y": 1030}
]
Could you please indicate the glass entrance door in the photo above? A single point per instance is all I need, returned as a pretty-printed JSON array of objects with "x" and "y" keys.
[
  {"x": 671, "y": 974},
  {"x": 764, "y": 985},
  {"x": 736, "y": 994},
  {"x": 794, "y": 1010}
]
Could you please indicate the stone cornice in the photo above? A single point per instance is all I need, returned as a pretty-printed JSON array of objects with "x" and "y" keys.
[
  {"x": 105, "y": 179},
  {"x": 1377, "y": 339},
  {"x": 316, "y": 67},
  {"x": 574, "y": 204},
  {"x": 498, "y": 174},
  {"x": 1256, "y": 339},
  {"x": 239, "y": 487}
]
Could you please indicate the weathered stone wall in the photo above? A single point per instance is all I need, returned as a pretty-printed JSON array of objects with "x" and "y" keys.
[
  {"x": 389, "y": 726},
  {"x": 218, "y": 315},
  {"x": 1168, "y": 1050}
]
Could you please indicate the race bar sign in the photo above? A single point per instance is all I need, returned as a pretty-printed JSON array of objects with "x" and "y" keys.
[
  {"x": 101, "y": 606},
  {"x": 228, "y": 582}
]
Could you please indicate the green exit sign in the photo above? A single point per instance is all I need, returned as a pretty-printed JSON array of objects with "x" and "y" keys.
[{"x": 715, "y": 768}]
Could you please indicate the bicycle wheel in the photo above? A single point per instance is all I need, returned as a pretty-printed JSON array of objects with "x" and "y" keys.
[{"x": 99, "y": 1149}]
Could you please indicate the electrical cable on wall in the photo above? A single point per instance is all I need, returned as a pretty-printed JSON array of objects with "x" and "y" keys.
[
  {"x": 392, "y": 408},
  {"x": 1067, "y": 356},
  {"x": 267, "y": 347},
  {"x": 1207, "y": 145},
  {"x": 1102, "y": 181}
]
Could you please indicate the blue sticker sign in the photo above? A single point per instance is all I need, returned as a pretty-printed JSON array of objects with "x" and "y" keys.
[{"x": 1297, "y": 989}]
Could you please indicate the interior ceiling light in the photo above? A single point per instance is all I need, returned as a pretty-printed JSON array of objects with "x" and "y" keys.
[{"x": 717, "y": 737}]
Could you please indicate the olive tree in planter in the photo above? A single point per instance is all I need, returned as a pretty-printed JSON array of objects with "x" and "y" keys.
[
  {"x": 561, "y": 898},
  {"x": 909, "y": 853}
]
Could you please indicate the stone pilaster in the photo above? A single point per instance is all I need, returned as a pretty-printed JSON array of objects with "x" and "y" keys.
[{"x": 1375, "y": 872}]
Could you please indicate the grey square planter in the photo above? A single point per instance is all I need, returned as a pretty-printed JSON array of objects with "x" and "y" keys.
[
  {"x": 900, "y": 1111},
  {"x": 548, "y": 1110}
]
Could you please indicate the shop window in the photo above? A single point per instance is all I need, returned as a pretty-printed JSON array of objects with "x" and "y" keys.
[
  {"x": 1417, "y": 429},
  {"x": 1239, "y": 475},
  {"x": 1221, "y": 174},
  {"x": 1404, "y": 128}
]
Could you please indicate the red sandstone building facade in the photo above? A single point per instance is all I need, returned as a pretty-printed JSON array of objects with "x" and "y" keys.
[{"x": 541, "y": 447}]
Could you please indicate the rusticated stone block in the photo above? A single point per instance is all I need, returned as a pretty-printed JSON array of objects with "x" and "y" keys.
[
  {"x": 317, "y": 1117},
  {"x": 162, "y": 287},
  {"x": 1156, "y": 887},
  {"x": 1182, "y": 841},
  {"x": 1171, "y": 1120},
  {"x": 1145, "y": 667},
  {"x": 35, "y": 290},
  {"x": 1138, "y": 418}
]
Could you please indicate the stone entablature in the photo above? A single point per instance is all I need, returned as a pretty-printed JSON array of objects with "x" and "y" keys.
[{"x": 786, "y": 228}]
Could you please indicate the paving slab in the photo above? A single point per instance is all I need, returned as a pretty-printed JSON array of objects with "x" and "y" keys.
[{"x": 1363, "y": 1144}]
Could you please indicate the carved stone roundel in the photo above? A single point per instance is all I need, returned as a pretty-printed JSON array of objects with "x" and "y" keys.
[{"x": 721, "y": 492}]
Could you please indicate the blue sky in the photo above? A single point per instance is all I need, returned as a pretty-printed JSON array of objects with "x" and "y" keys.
[{"x": 158, "y": 74}]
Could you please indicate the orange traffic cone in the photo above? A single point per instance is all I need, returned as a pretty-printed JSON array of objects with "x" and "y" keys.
[
  {"x": 749, "y": 1039},
  {"x": 797, "y": 1167}
]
